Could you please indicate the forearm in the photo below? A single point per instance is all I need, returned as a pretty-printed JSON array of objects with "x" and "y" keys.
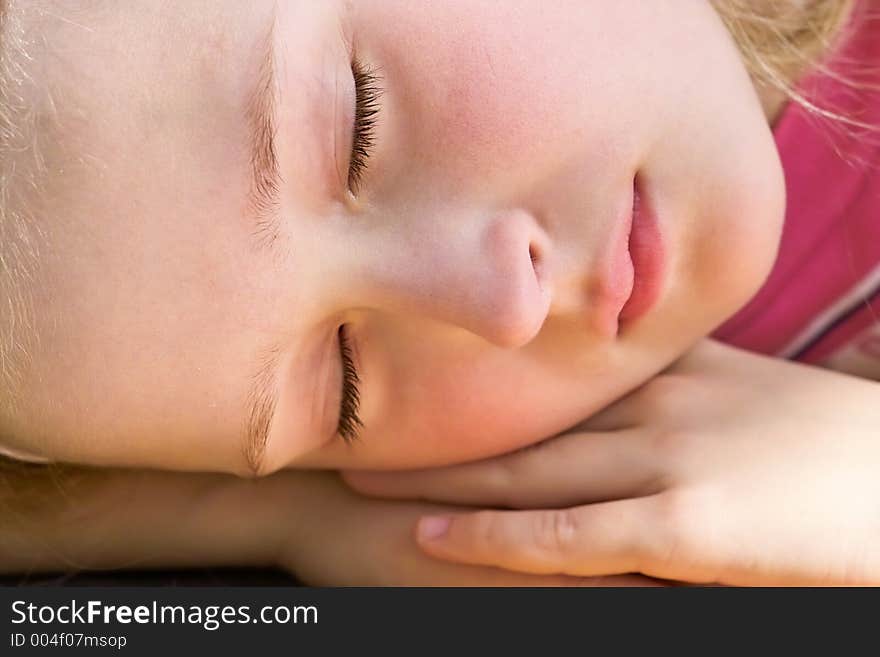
[{"x": 95, "y": 519}]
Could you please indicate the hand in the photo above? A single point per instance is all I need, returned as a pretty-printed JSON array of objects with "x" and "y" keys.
[
  {"x": 729, "y": 467},
  {"x": 341, "y": 538}
]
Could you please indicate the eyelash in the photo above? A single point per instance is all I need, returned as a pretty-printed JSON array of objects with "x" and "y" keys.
[
  {"x": 367, "y": 92},
  {"x": 349, "y": 423}
]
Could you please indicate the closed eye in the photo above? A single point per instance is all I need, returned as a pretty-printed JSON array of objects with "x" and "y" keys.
[
  {"x": 367, "y": 92},
  {"x": 349, "y": 422}
]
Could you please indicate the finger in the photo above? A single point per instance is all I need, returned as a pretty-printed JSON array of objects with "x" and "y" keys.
[
  {"x": 703, "y": 354},
  {"x": 712, "y": 359},
  {"x": 359, "y": 542},
  {"x": 600, "y": 539},
  {"x": 567, "y": 470},
  {"x": 664, "y": 399},
  {"x": 621, "y": 415},
  {"x": 670, "y": 392}
]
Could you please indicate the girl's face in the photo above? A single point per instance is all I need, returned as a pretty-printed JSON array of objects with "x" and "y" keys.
[{"x": 191, "y": 304}]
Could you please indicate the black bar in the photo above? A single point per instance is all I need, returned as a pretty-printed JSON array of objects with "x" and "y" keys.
[{"x": 291, "y": 620}]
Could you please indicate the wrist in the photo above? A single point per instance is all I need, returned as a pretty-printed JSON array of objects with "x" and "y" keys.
[{"x": 288, "y": 507}]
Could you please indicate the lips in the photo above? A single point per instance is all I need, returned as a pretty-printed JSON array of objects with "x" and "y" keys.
[
  {"x": 646, "y": 250},
  {"x": 633, "y": 276}
]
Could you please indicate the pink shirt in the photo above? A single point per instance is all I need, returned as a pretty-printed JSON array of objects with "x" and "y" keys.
[{"x": 821, "y": 302}]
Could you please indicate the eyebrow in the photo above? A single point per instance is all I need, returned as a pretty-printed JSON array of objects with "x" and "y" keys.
[
  {"x": 260, "y": 115},
  {"x": 262, "y": 400},
  {"x": 263, "y": 204}
]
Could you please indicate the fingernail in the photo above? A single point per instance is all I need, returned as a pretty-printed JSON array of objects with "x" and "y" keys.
[{"x": 433, "y": 527}]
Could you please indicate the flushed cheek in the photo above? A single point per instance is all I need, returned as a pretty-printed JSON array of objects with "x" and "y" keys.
[
  {"x": 467, "y": 95},
  {"x": 465, "y": 411},
  {"x": 483, "y": 113}
]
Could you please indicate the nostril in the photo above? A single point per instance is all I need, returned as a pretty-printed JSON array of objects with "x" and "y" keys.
[
  {"x": 537, "y": 257},
  {"x": 508, "y": 308}
]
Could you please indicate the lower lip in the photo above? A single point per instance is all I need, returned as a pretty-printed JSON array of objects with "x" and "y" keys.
[{"x": 648, "y": 257}]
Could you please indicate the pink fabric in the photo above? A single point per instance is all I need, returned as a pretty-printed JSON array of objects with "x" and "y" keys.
[{"x": 823, "y": 290}]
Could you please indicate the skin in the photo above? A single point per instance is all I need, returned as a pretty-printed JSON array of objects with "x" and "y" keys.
[
  {"x": 696, "y": 476},
  {"x": 506, "y": 130}
]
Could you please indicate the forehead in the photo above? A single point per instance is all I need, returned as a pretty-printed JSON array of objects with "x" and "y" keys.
[
  {"x": 145, "y": 144},
  {"x": 131, "y": 73},
  {"x": 142, "y": 110}
]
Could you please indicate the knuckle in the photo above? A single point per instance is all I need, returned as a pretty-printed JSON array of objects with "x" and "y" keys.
[
  {"x": 673, "y": 444},
  {"x": 500, "y": 479},
  {"x": 487, "y": 531},
  {"x": 516, "y": 473},
  {"x": 512, "y": 474},
  {"x": 665, "y": 392},
  {"x": 555, "y": 531}
]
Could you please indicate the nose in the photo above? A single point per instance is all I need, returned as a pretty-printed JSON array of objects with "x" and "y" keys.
[{"x": 488, "y": 277}]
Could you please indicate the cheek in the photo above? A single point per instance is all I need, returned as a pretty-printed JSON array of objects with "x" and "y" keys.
[
  {"x": 737, "y": 258},
  {"x": 455, "y": 408},
  {"x": 487, "y": 113},
  {"x": 477, "y": 79},
  {"x": 728, "y": 237}
]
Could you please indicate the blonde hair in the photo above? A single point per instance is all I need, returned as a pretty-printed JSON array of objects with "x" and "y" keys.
[
  {"x": 21, "y": 236},
  {"x": 780, "y": 41}
]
